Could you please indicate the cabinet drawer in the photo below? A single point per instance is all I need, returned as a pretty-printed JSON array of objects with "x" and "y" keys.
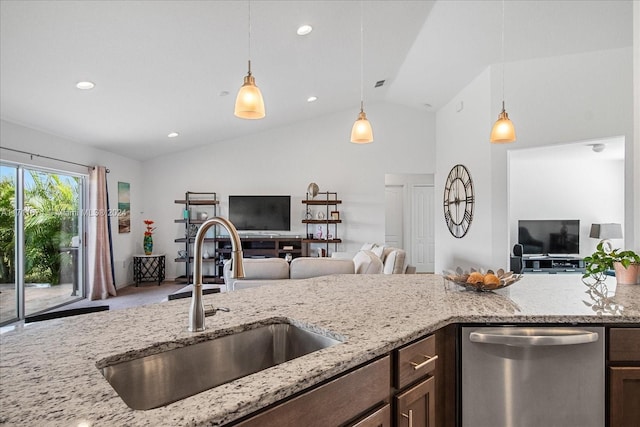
[
  {"x": 624, "y": 344},
  {"x": 380, "y": 418},
  {"x": 333, "y": 403},
  {"x": 415, "y": 361}
]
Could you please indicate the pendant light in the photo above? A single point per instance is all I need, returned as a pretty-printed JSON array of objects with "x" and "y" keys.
[
  {"x": 503, "y": 130},
  {"x": 361, "y": 133},
  {"x": 249, "y": 102}
]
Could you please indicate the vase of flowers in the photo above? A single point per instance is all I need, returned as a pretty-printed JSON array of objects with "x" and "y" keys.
[{"x": 147, "y": 243}]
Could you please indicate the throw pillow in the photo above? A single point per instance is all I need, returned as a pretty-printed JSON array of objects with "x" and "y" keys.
[{"x": 378, "y": 250}]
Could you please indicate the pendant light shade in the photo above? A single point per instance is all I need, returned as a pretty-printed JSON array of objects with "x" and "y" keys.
[
  {"x": 249, "y": 102},
  {"x": 503, "y": 130},
  {"x": 361, "y": 133}
]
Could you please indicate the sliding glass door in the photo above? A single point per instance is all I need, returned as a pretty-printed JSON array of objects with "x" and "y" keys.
[
  {"x": 8, "y": 224},
  {"x": 42, "y": 255}
]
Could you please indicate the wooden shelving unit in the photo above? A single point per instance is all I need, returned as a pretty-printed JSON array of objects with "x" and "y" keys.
[
  {"x": 209, "y": 202},
  {"x": 329, "y": 201}
]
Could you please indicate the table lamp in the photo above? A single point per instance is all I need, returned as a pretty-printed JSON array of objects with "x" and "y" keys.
[{"x": 606, "y": 232}]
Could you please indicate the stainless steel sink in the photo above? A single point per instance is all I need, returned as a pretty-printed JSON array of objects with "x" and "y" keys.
[{"x": 163, "y": 378}]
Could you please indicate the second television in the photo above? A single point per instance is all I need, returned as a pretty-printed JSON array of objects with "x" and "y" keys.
[
  {"x": 549, "y": 237},
  {"x": 260, "y": 213}
]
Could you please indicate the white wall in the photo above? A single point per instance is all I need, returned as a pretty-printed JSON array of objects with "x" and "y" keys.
[
  {"x": 285, "y": 161},
  {"x": 462, "y": 138},
  {"x": 587, "y": 188},
  {"x": 550, "y": 100},
  {"x": 122, "y": 169},
  {"x": 635, "y": 152}
]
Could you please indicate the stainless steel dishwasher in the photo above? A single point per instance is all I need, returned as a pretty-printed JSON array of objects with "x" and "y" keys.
[{"x": 532, "y": 376}]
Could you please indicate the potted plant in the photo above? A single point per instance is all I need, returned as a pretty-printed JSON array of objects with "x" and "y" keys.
[{"x": 626, "y": 265}]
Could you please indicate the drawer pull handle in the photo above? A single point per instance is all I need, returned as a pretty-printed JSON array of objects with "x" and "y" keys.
[
  {"x": 421, "y": 365},
  {"x": 410, "y": 417}
]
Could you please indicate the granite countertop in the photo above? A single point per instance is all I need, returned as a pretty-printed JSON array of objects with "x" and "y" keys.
[{"x": 48, "y": 372}]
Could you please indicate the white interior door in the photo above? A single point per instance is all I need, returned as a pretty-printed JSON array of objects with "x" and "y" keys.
[
  {"x": 422, "y": 228},
  {"x": 409, "y": 218},
  {"x": 394, "y": 216}
]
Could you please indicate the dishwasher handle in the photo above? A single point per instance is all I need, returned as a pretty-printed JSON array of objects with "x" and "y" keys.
[{"x": 533, "y": 337}]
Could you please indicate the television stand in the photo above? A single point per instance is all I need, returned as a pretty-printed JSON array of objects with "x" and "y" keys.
[
  {"x": 263, "y": 246},
  {"x": 553, "y": 264}
]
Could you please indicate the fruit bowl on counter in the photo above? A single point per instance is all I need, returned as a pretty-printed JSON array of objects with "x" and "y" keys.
[{"x": 480, "y": 280}]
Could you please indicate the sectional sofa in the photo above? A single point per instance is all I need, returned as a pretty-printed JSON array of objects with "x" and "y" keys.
[{"x": 259, "y": 271}]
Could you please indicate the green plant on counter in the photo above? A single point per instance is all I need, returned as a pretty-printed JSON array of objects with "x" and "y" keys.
[{"x": 599, "y": 262}]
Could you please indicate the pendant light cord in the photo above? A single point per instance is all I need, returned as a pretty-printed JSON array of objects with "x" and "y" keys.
[
  {"x": 361, "y": 59},
  {"x": 249, "y": 42},
  {"x": 503, "y": 55}
]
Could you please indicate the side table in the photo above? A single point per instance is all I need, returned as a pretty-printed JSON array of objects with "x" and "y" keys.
[{"x": 148, "y": 268}]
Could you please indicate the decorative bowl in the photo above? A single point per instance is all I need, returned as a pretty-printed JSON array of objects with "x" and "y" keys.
[{"x": 480, "y": 280}]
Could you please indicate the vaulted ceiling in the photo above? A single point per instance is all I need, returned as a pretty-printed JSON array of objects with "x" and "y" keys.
[{"x": 163, "y": 66}]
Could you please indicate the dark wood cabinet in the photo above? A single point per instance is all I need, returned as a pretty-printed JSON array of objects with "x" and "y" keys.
[
  {"x": 416, "y": 402},
  {"x": 347, "y": 397},
  {"x": 624, "y": 377},
  {"x": 624, "y": 396},
  {"x": 415, "y": 361},
  {"x": 446, "y": 376},
  {"x": 624, "y": 345},
  {"x": 379, "y": 418},
  {"x": 412, "y": 386},
  {"x": 416, "y": 406}
]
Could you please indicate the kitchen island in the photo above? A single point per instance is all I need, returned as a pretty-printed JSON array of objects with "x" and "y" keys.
[{"x": 49, "y": 374}]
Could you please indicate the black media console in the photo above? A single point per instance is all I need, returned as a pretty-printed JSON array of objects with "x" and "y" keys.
[{"x": 552, "y": 264}]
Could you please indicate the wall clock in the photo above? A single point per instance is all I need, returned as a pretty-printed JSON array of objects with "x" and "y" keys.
[{"x": 458, "y": 201}]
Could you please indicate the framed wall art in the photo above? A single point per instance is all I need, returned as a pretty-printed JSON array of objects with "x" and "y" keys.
[{"x": 124, "y": 207}]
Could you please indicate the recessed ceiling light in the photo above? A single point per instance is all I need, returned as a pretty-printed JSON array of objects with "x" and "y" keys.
[
  {"x": 303, "y": 30},
  {"x": 312, "y": 99},
  {"x": 173, "y": 134},
  {"x": 87, "y": 85},
  {"x": 224, "y": 93}
]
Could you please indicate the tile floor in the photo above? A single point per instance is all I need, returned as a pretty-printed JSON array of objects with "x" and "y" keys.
[{"x": 37, "y": 299}]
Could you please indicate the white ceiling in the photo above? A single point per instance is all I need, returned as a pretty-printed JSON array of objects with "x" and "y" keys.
[{"x": 160, "y": 66}]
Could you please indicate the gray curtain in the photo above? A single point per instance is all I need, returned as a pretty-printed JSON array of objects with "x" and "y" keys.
[{"x": 99, "y": 272}]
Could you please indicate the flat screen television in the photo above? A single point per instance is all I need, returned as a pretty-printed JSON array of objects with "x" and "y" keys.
[
  {"x": 549, "y": 237},
  {"x": 260, "y": 213}
]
